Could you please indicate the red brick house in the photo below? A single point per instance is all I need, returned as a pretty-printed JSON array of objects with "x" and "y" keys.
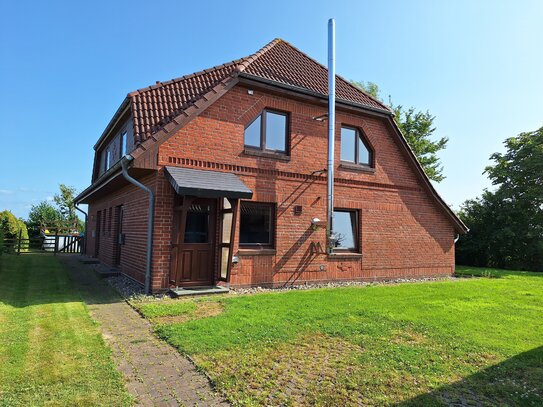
[{"x": 236, "y": 159}]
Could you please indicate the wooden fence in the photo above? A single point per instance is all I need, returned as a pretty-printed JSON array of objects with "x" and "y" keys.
[{"x": 49, "y": 244}]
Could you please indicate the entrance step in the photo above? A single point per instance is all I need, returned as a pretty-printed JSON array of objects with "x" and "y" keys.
[
  {"x": 200, "y": 290},
  {"x": 104, "y": 272},
  {"x": 88, "y": 260}
]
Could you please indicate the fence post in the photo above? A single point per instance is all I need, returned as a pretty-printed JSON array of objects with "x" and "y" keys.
[
  {"x": 56, "y": 244},
  {"x": 19, "y": 242}
]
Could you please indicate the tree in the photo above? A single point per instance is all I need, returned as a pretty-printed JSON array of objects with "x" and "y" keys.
[
  {"x": 506, "y": 225},
  {"x": 520, "y": 170},
  {"x": 12, "y": 228},
  {"x": 43, "y": 215},
  {"x": 60, "y": 216},
  {"x": 66, "y": 205},
  {"x": 418, "y": 129},
  {"x": 370, "y": 88}
]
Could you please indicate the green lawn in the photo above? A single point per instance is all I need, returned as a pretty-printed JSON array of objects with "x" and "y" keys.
[
  {"x": 51, "y": 352},
  {"x": 408, "y": 344}
]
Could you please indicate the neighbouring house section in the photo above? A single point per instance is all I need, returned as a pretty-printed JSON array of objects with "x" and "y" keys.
[{"x": 236, "y": 158}]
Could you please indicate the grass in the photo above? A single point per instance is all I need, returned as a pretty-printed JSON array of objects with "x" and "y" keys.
[
  {"x": 167, "y": 308},
  {"x": 51, "y": 352},
  {"x": 480, "y": 339}
]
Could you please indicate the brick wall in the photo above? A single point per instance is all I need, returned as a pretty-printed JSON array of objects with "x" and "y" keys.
[
  {"x": 403, "y": 232},
  {"x": 133, "y": 252}
]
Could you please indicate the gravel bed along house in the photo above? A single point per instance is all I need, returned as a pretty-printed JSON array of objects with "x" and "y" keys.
[
  {"x": 337, "y": 284},
  {"x": 131, "y": 290}
]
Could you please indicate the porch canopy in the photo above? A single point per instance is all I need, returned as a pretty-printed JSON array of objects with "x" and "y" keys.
[{"x": 207, "y": 184}]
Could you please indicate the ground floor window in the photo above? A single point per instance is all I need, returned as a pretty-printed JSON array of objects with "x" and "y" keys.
[
  {"x": 256, "y": 227},
  {"x": 345, "y": 230}
]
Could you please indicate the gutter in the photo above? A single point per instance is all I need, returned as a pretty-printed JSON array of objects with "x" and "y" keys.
[
  {"x": 303, "y": 91},
  {"x": 150, "y": 219},
  {"x": 102, "y": 181}
]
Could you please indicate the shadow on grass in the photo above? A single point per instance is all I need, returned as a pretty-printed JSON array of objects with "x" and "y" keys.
[
  {"x": 518, "y": 381},
  {"x": 45, "y": 279}
]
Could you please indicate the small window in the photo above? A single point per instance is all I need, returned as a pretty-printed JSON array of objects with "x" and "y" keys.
[
  {"x": 256, "y": 224},
  {"x": 107, "y": 159},
  {"x": 345, "y": 230},
  {"x": 354, "y": 148},
  {"x": 123, "y": 144},
  {"x": 268, "y": 132}
]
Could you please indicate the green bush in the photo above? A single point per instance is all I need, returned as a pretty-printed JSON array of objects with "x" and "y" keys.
[
  {"x": 1, "y": 241},
  {"x": 11, "y": 229}
]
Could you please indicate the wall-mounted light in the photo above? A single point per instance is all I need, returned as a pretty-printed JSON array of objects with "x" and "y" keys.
[
  {"x": 317, "y": 223},
  {"x": 321, "y": 118}
]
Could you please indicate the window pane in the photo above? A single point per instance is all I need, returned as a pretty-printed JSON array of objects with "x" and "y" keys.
[
  {"x": 252, "y": 133},
  {"x": 276, "y": 129},
  {"x": 196, "y": 227},
  {"x": 344, "y": 229},
  {"x": 255, "y": 224},
  {"x": 348, "y": 137},
  {"x": 123, "y": 144},
  {"x": 225, "y": 256},
  {"x": 363, "y": 152},
  {"x": 108, "y": 158},
  {"x": 226, "y": 226}
]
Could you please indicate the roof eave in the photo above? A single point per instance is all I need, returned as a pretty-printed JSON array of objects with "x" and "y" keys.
[
  {"x": 125, "y": 105},
  {"x": 308, "y": 92},
  {"x": 101, "y": 181}
]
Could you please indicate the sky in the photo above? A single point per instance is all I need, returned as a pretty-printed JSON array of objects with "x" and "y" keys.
[{"x": 65, "y": 67}]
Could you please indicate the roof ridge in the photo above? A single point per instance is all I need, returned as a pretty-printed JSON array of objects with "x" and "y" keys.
[
  {"x": 246, "y": 61},
  {"x": 240, "y": 63}
]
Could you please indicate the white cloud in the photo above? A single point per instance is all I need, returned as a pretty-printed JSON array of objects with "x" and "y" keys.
[{"x": 6, "y": 191}]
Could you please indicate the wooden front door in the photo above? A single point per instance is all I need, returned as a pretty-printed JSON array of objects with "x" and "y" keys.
[{"x": 195, "y": 243}]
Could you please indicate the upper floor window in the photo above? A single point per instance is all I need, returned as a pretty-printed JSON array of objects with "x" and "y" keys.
[
  {"x": 269, "y": 131},
  {"x": 354, "y": 148},
  {"x": 123, "y": 144},
  {"x": 108, "y": 159}
]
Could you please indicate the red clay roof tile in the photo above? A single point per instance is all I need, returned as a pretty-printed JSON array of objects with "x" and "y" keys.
[{"x": 157, "y": 105}]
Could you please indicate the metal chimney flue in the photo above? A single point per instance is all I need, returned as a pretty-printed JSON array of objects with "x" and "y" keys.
[{"x": 331, "y": 128}]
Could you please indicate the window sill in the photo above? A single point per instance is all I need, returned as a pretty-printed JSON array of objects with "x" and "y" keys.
[
  {"x": 357, "y": 168},
  {"x": 256, "y": 252},
  {"x": 266, "y": 154},
  {"x": 345, "y": 255}
]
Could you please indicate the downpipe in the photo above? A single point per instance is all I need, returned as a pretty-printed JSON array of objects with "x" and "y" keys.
[
  {"x": 331, "y": 128},
  {"x": 86, "y": 229},
  {"x": 150, "y": 219}
]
